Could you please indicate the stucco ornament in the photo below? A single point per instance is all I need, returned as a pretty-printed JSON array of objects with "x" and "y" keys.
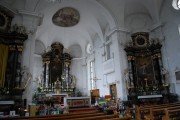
[
  {"x": 89, "y": 48},
  {"x": 66, "y": 17}
]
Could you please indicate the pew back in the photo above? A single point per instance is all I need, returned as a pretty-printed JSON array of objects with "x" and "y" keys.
[{"x": 148, "y": 112}]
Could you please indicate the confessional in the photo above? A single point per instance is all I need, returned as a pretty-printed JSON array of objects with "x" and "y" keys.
[{"x": 145, "y": 76}]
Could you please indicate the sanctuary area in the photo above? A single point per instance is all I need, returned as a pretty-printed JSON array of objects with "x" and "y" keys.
[{"x": 89, "y": 59}]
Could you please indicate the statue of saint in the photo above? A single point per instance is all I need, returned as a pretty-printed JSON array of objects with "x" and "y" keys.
[
  {"x": 126, "y": 77},
  {"x": 26, "y": 76},
  {"x": 57, "y": 86},
  {"x": 164, "y": 72},
  {"x": 73, "y": 83}
]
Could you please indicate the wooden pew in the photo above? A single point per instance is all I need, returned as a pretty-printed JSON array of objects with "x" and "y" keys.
[
  {"x": 153, "y": 111},
  {"x": 172, "y": 113},
  {"x": 95, "y": 117},
  {"x": 156, "y": 113},
  {"x": 51, "y": 116},
  {"x": 82, "y": 117},
  {"x": 159, "y": 112},
  {"x": 69, "y": 116},
  {"x": 130, "y": 112},
  {"x": 148, "y": 110},
  {"x": 123, "y": 118}
]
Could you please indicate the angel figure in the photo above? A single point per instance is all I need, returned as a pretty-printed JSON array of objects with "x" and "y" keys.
[
  {"x": 26, "y": 76},
  {"x": 164, "y": 72},
  {"x": 73, "y": 83},
  {"x": 126, "y": 77}
]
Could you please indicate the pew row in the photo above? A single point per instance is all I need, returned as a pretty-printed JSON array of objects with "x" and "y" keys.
[
  {"x": 172, "y": 114},
  {"x": 153, "y": 112},
  {"x": 157, "y": 113},
  {"x": 123, "y": 118},
  {"x": 71, "y": 116},
  {"x": 47, "y": 116},
  {"x": 95, "y": 117}
]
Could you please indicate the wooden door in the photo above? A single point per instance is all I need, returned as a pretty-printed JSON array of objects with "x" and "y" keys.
[
  {"x": 113, "y": 92},
  {"x": 94, "y": 95}
]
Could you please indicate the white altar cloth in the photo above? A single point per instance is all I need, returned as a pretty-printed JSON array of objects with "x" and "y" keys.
[
  {"x": 77, "y": 101},
  {"x": 11, "y": 102},
  {"x": 149, "y": 96}
]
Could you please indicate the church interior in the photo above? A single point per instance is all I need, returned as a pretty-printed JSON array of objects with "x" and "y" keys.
[{"x": 90, "y": 59}]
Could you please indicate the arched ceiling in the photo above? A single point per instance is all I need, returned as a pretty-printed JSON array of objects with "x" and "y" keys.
[
  {"x": 95, "y": 17},
  {"x": 121, "y": 9}
]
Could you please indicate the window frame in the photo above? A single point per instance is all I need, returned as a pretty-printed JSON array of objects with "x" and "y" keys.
[{"x": 91, "y": 74}]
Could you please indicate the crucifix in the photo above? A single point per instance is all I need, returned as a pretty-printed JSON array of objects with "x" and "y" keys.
[
  {"x": 95, "y": 80},
  {"x": 145, "y": 79}
]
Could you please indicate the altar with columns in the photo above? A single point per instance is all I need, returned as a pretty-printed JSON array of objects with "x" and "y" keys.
[
  {"x": 145, "y": 75},
  {"x": 57, "y": 85},
  {"x": 57, "y": 77}
]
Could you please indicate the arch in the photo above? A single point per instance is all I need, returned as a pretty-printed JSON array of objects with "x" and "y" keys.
[
  {"x": 97, "y": 42},
  {"x": 139, "y": 22},
  {"x": 39, "y": 47},
  {"x": 75, "y": 51}
]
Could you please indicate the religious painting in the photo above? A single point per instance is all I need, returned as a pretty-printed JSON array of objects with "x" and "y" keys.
[
  {"x": 177, "y": 73},
  {"x": 113, "y": 92},
  {"x": 55, "y": 72},
  {"x": 145, "y": 72},
  {"x": 66, "y": 17}
]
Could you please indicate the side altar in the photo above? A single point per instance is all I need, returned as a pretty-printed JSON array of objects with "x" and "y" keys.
[{"x": 145, "y": 76}]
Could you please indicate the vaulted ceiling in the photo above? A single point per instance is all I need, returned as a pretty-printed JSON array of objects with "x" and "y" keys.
[{"x": 97, "y": 18}]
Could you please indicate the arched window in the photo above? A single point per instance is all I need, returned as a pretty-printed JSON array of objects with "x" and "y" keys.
[
  {"x": 92, "y": 74},
  {"x": 176, "y": 4}
]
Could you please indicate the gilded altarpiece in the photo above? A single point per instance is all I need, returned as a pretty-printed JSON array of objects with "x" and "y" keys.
[
  {"x": 12, "y": 39},
  {"x": 144, "y": 75},
  {"x": 57, "y": 76}
]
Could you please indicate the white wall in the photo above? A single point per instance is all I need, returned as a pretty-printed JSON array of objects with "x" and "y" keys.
[
  {"x": 77, "y": 69},
  {"x": 171, "y": 44}
]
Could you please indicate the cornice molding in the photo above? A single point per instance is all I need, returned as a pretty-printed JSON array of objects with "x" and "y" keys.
[
  {"x": 29, "y": 13},
  {"x": 156, "y": 26},
  {"x": 115, "y": 29}
]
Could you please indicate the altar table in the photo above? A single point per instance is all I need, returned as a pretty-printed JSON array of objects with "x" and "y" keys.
[{"x": 77, "y": 101}]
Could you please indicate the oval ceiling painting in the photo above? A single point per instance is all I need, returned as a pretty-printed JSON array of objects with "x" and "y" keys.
[{"x": 66, "y": 17}]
